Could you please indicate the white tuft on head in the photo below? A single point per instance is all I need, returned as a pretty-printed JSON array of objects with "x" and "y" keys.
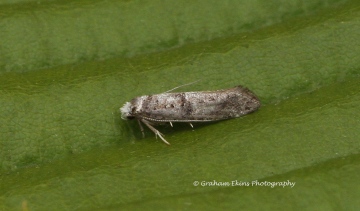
[{"x": 125, "y": 110}]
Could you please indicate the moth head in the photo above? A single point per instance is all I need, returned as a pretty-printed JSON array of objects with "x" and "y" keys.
[{"x": 126, "y": 111}]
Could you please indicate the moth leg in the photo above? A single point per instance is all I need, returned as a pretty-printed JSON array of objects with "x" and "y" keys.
[
  {"x": 157, "y": 133},
  {"x": 171, "y": 124},
  {"x": 141, "y": 128},
  {"x": 191, "y": 125}
]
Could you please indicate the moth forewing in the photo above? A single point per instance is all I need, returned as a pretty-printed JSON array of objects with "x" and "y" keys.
[{"x": 190, "y": 107}]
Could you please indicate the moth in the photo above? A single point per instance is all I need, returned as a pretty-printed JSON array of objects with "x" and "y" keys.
[{"x": 202, "y": 106}]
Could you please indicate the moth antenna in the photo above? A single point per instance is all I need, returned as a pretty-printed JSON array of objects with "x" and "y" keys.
[{"x": 182, "y": 86}]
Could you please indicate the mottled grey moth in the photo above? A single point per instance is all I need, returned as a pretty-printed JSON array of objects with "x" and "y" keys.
[{"x": 202, "y": 106}]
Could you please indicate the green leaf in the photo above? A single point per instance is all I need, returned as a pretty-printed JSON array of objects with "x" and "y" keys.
[{"x": 63, "y": 145}]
